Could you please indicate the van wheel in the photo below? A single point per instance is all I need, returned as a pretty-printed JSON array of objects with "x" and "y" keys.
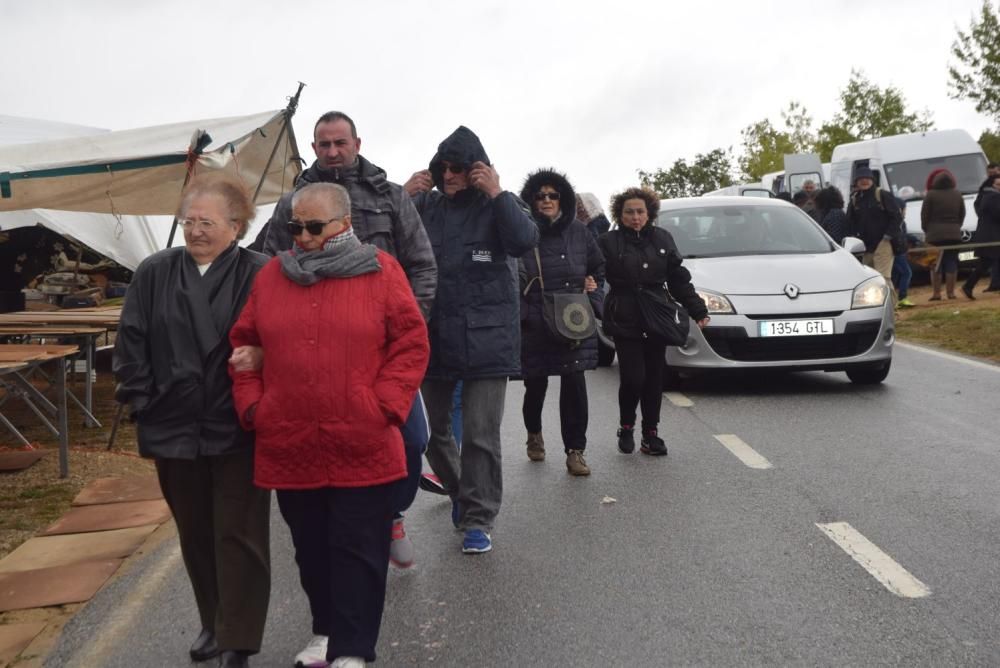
[
  {"x": 869, "y": 374},
  {"x": 605, "y": 354}
]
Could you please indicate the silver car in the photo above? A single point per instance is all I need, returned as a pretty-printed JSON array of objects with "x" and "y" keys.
[{"x": 780, "y": 292}]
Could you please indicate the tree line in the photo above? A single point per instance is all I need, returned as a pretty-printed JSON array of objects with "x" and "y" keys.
[{"x": 866, "y": 111}]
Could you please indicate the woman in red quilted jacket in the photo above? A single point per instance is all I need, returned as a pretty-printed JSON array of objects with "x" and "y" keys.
[{"x": 345, "y": 348}]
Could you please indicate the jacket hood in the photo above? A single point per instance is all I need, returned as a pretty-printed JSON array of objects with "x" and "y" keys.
[
  {"x": 550, "y": 177},
  {"x": 462, "y": 147}
]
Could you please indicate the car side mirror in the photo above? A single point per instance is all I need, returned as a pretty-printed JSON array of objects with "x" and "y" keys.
[{"x": 853, "y": 245}]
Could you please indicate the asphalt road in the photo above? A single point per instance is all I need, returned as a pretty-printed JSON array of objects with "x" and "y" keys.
[{"x": 712, "y": 556}]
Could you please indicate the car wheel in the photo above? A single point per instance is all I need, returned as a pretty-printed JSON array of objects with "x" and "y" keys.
[
  {"x": 869, "y": 374},
  {"x": 605, "y": 354}
]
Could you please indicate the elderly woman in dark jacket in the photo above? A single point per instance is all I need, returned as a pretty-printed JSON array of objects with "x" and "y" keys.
[
  {"x": 571, "y": 262},
  {"x": 987, "y": 231},
  {"x": 171, "y": 361},
  {"x": 640, "y": 254},
  {"x": 941, "y": 218}
]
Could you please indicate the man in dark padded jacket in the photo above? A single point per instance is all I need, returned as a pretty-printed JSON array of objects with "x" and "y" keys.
[{"x": 477, "y": 230}]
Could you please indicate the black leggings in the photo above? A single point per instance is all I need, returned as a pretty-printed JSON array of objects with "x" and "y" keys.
[
  {"x": 640, "y": 367},
  {"x": 572, "y": 408}
]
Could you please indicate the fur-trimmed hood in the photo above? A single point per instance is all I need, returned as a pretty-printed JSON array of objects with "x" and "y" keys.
[{"x": 567, "y": 196}]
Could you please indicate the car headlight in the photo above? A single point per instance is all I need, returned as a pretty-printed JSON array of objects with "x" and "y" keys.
[
  {"x": 871, "y": 293},
  {"x": 716, "y": 303}
]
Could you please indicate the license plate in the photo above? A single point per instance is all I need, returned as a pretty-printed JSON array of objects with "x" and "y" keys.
[
  {"x": 967, "y": 256},
  {"x": 795, "y": 327}
]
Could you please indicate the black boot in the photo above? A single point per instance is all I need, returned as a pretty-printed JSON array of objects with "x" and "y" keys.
[
  {"x": 652, "y": 444},
  {"x": 204, "y": 646},
  {"x": 626, "y": 440},
  {"x": 232, "y": 658}
]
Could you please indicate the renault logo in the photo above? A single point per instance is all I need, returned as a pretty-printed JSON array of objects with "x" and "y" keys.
[{"x": 791, "y": 290}]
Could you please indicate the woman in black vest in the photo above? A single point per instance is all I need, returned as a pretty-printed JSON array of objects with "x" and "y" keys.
[{"x": 640, "y": 254}]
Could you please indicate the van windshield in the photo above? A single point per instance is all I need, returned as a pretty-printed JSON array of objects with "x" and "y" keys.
[{"x": 969, "y": 171}]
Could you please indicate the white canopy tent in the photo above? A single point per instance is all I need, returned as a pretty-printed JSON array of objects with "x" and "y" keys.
[{"x": 111, "y": 190}]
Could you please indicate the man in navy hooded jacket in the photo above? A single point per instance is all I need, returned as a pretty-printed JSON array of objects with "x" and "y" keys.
[{"x": 477, "y": 231}]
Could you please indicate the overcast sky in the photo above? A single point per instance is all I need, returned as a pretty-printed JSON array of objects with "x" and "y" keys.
[{"x": 596, "y": 89}]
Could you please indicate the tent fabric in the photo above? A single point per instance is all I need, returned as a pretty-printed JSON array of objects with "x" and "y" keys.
[{"x": 142, "y": 171}]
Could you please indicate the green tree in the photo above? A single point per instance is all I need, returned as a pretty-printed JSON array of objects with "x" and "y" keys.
[
  {"x": 764, "y": 149},
  {"x": 976, "y": 76},
  {"x": 707, "y": 172},
  {"x": 990, "y": 141},
  {"x": 868, "y": 111}
]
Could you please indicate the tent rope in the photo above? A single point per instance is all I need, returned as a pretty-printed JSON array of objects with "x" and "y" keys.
[{"x": 119, "y": 226}]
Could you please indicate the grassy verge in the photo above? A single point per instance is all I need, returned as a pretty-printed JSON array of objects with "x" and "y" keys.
[{"x": 966, "y": 327}]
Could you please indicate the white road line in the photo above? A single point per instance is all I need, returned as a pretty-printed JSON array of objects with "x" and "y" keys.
[
  {"x": 743, "y": 452},
  {"x": 678, "y": 399},
  {"x": 949, "y": 356},
  {"x": 880, "y": 565}
]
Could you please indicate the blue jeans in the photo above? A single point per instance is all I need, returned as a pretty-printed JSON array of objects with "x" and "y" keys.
[
  {"x": 415, "y": 432},
  {"x": 901, "y": 275}
]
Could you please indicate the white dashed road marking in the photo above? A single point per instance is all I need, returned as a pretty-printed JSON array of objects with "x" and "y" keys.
[
  {"x": 678, "y": 399},
  {"x": 743, "y": 452},
  {"x": 880, "y": 565}
]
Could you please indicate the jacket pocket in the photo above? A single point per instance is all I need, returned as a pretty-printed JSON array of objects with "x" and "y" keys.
[{"x": 376, "y": 227}]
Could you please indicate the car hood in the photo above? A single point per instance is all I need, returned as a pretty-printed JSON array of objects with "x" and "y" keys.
[{"x": 769, "y": 274}]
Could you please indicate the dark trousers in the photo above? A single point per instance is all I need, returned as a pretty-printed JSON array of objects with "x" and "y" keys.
[
  {"x": 223, "y": 523},
  {"x": 341, "y": 538},
  {"x": 573, "y": 414},
  {"x": 984, "y": 266},
  {"x": 640, "y": 369},
  {"x": 415, "y": 432}
]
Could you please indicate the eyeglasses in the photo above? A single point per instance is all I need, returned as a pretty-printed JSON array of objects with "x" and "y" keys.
[
  {"x": 455, "y": 169},
  {"x": 204, "y": 224},
  {"x": 541, "y": 197},
  {"x": 315, "y": 227}
]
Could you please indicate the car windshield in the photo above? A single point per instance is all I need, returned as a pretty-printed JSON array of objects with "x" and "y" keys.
[
  {"x": 969, "y": 171},
  {"x": 725, "y": 230}
]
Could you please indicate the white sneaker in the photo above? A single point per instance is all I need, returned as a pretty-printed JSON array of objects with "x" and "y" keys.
[
  {"x": 348, "y": 662},
  {"x": 314, "y": 655}
]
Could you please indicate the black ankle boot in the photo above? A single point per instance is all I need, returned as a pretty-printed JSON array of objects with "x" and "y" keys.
[
  {"x": 204, "y": 647},
  {"x": 652, "y": 444},
  {"x": 232, "y": 658},
  {"x": 626, "y": 440}
]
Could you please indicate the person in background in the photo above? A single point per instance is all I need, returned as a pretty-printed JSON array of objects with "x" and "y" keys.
[
  {"x": 570, "y": 262},
  {"x": 590, "y": 212},
  {"x": 638, "y": 253},
  {"x": 345, "y": 348},
  {"x": 383, "y": 215},
  {"x": 784, "y": 196},
  {"x": 171, "y": 361},
  {"x": 987, "y": 231},
  {"x": 477, "y": 230},
  {"x": 873, "y": 217},
  {"x": 902, "y": 274},
  {"x": 830, "y": 209},
  {"x": 941, "y": 218},
  {"x": 992, "y": 171}
]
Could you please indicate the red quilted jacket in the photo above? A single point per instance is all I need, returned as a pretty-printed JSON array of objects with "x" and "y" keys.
[{"x": 343, "y": 360}]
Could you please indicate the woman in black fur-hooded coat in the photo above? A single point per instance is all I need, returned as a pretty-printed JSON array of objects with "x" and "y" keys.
[{"x": 571, "y": 262}]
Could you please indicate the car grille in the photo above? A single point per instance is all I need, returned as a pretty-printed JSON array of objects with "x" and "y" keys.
[{"x": 734, "y": 344}]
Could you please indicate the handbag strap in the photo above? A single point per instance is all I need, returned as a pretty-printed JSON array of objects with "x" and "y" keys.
[{"x": 538, "y": 259}]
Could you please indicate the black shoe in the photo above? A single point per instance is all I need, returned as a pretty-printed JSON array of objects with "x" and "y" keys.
[
  {"x": 431, "y": 483},
  {"x": 967, "y": 291},
  {"x": 652, "y": 444},
  {"x": 232, "y": 658},
  {"x": 204, "y": 646},
  {"x": 626, "y": 440}
]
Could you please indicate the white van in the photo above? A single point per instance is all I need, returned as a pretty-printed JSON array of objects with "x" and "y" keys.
[
  {"x": 742, "y": 190},
  {"x": 902, "y": 163},
  {"x": 799, "y": 168}
]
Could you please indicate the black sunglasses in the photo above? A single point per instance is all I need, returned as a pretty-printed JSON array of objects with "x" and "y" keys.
[
  {"x": 540, "y": 197},
  {"x": 455, "y": 169},
  {"x": 315, "y": 227}
]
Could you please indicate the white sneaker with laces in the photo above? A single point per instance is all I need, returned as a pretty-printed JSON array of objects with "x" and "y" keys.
[
  {"x": 348, "y": 662},
  {"x": 314, "y": 655}
]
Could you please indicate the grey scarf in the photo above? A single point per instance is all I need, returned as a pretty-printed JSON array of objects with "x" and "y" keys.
[{"x": 342, "y": 256}]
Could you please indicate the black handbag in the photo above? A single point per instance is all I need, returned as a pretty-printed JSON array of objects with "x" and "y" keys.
[
  {"x": 569, "y": 317},
  {"x": 663, "y": 316}
]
